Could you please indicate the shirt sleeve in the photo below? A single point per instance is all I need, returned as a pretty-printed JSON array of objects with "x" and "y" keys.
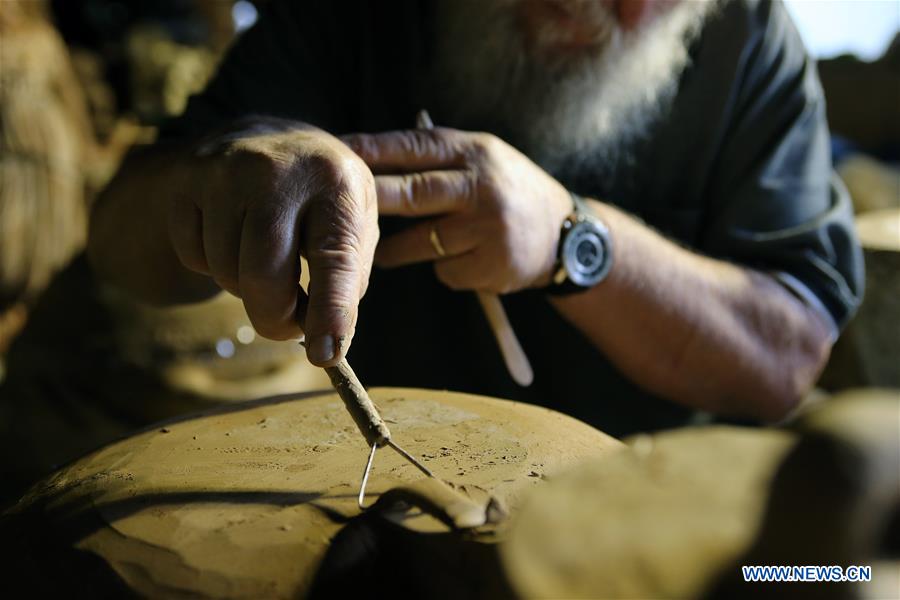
[{"x": 774, "y": 202}]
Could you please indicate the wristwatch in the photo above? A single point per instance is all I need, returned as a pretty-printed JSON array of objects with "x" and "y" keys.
[{"x": 585, "y": 255}]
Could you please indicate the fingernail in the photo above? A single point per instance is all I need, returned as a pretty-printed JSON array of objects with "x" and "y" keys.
[{"x": 321, "y": 349}]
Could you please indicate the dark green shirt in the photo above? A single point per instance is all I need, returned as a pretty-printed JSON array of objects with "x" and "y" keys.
[{"x": 737, "y": 168}]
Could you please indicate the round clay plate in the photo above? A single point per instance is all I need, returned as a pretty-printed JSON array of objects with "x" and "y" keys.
[{"x": 243, "y": 501}]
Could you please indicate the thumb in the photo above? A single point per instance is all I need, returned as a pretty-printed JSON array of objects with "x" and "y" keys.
[{"x": 337, "y": 275}]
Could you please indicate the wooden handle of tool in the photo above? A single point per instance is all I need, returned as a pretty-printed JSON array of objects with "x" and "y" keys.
[
  {"x": 358, "y": 403},
  {"x": 515, "y": 358},
  {"x": 513, "y": 354},
  {"x": 356, "y": 398}
]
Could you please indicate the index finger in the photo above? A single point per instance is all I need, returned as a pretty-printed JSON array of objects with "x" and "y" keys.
[
  {"x": 428, "y": 193},
  {"x": 409, "y": 150}
]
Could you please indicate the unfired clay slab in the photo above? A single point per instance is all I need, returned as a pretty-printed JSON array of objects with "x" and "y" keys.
[{"x": 241, "y": 503}]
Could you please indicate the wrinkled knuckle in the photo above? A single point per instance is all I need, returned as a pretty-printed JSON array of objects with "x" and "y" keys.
[
  {"x": 272, "y": 220},
  {"x": 471, "y": 190},
  {"x": 325, "y": 170},
  {"x": 366, "y": 195},
  {"x": 342, "y": 246},
  {"x": 353, "y": 201},
  {"x": 427, "y": 142},
  {"x": 435, "y": 140},
  {"x": 362, "y": 144},
  {"x": 249, "y": 158},
  {"x": 420, "y": 142},
  {"x": 336, "y": 253},
  {"x": 352, "y": 218},
  {"x": 483, "y": 146},
  {"x": 335, "y": 248},
  {"x": 332, "y": 303},
  {"x": 354, "y": 171},
  {"x": 413, "y": 187},
  {"x": 333, "y": 295},
  {"x": 340, "y": 208},
  {"x": 252, "y": 177},
  {"x": 489, "y": 141},
  {"x": 366, "y": 177},
  {"x": 353, "y": 141}
]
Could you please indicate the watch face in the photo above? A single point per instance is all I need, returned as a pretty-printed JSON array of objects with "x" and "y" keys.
[{"x": 586, "y": 253}]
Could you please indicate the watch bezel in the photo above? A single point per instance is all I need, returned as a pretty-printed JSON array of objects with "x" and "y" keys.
[
  {"x": 583, "y": 229},
  {"x": 581, "y": 218}
]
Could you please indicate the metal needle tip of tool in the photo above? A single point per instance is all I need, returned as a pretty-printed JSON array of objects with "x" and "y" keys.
[
  {"x": 366, "y": 416},
  {"x": 365, "y": 477}
]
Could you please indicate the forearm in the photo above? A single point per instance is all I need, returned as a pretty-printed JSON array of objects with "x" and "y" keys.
[
  {"x": 699, "y": 331},
  {"x": 129, "y": 243}
]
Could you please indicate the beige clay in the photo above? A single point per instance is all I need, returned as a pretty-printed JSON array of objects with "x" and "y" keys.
[
  {"x": 678, "y": 513},
  {"x": 243, "y": 502},
  {"x": 661, "y": 520}
]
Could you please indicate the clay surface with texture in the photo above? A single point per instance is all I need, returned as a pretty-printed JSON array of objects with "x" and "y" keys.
[{"x": 243, "y": 502}]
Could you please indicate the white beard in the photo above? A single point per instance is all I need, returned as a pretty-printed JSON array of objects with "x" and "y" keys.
[{"x": 561, "y": 112}]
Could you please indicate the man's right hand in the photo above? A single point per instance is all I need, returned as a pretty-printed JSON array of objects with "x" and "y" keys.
[{"x": 255, "y": 201}]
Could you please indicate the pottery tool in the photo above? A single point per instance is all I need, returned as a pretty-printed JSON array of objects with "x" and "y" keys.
[
  {"x": 367, "y": 418},
  {"x": 513, "y": 355}
]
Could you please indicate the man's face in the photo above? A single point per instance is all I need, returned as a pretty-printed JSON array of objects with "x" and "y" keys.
[
  {"x": 572, "y": 26},
  {"x": 561, "y": 78}
]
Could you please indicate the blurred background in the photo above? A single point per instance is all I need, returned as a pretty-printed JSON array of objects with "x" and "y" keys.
[
  {"x": 82, "y": 81},
  {"x": 864, "y": 28}
]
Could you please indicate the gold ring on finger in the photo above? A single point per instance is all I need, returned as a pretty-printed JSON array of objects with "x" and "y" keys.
[{"x": 436, "y": 242}]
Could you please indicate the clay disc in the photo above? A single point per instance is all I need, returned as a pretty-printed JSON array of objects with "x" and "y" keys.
[{"x": 243, "y": 501}]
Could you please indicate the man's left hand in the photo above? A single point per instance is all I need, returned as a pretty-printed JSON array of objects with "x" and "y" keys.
[{"x": 495, "y": 213}]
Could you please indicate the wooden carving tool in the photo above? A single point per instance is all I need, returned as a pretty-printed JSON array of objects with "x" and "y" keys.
[
  {"x": 367, "y": 418},
  {"x": 513, "y": 355}
]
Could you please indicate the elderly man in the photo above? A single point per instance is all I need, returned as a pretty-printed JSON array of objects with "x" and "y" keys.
[{"x": 687, "y": 139}]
